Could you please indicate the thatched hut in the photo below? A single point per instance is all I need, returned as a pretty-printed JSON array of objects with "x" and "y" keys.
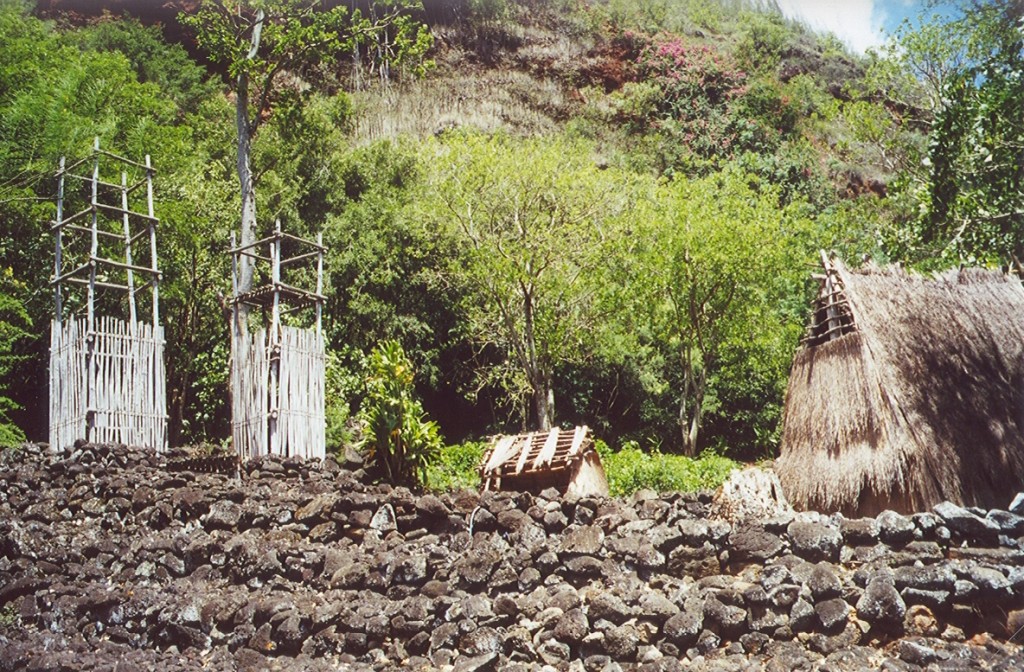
[
  {"x": 563, "y": 459},
  {"x": 907, "y": 391}
]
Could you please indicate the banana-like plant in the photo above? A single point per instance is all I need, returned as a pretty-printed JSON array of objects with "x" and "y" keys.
[{"x": 397, "y": 436}]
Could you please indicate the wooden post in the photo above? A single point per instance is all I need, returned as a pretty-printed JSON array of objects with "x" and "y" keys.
[
  {"x": 235, "y": 373},
  {"x": 58, "y": 256},
  {"x": 128, "y": 250},
  {"x": 274, "y": 341},
  {"x": 90, "y": 336},
  {"x": 155, "y": 280},
  {"x": 831, "y": 312},
  {"x": 319, "y": 280}
]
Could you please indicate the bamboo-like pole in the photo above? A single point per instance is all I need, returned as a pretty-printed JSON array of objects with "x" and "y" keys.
[
  {"x": 274, "y": 342},
  {"x": 90, "y": 337},
  {"x": 155, "y": 279},
  {"x": 128, "y": 250},
  {"x": 58, "y": 255},
  {"x": 319, "y": 280},
  {"x": 241, "y": 445}
]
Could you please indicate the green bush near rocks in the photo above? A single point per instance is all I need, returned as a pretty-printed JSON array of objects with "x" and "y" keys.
[
  {"x": 456, "y": 467},
  {"x": 630, "y": 469}
]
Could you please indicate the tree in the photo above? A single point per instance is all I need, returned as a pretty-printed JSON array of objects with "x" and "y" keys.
[
  {"x": 712, "y": 262},
  {"x": 14, "y": 325},
  {"x": 261, "y": 40},
  {"x": 972, "y": 186},
  {"x": 533, "y": 219}
]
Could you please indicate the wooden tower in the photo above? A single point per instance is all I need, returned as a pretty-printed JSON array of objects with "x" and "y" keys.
[
  {"x": 277, "y": 371},
  {"x": 107, "y": 376}
]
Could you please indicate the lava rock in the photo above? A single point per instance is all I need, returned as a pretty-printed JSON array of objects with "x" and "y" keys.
[
  {"x": 895, "y": 529},
  {"x": 751, "y": 543},
  {"x": 815, "y": 541},
  {"x": 966, "y": 524},
  {"x": 881, "y": 605}
]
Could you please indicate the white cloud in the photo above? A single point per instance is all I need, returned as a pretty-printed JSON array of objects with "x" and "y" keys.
[{"x": 858, "y": 23}]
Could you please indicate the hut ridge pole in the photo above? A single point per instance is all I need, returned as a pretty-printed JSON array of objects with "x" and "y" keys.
[
  {"x": 831, "y": 312},
  {"x": 58, "y": 254},
  {"x": 90, "y": 337},
  {"x": 274, "y": 340},
  {"x": 128, "y": 249},
  {"x": 155, "y": 280}
]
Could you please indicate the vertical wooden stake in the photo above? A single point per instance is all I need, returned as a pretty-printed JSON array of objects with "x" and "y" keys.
[
  {"x": 90, "y": 337},
  {"x": 274, "y": 340},
  {"x": 152, "y": 243},
  {"x": 319, "y": 280},
  {"x": 128, "y": 250},
  {"x": 58, "y": 257}
]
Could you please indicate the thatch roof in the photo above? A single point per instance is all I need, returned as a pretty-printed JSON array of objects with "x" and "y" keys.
[
  {"x": 907, "y": 391},
  {"x": 563, "y": 459}
]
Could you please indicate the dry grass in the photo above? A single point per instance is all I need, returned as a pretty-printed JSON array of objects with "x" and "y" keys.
[
  {"x": 488, "y": 101},
  {"x": 523, "y": 81},
  {"x": 925, "y": 402}
]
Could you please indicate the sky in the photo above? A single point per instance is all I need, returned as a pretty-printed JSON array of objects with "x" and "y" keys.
[{"x": 858, "y": 23}]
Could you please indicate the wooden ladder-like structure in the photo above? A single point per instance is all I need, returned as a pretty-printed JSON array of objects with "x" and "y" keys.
[
  {"x": 831, "y": 316},
  {"x": 107, "y": 376},
  {"x": 278, "y": 371}
]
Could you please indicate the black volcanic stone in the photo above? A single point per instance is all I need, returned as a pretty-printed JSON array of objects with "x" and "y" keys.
[
  {"x": 752, "y": 543},
  {"x": 815, "y": 541},
  {"x": 881, "y": 605}
]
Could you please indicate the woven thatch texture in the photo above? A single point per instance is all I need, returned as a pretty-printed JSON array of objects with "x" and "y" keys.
[{"x": 924, "y": 402}]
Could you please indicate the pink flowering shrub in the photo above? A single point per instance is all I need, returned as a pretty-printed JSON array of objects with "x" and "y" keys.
[
  {"x": 704, "y": 107},
  {"x": 691, "y": 77}
]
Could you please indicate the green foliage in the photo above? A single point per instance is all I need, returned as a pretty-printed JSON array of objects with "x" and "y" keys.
[
  {"x": 630, "y": 469},
  {"x": 698, "y": 85},
  {"x": 344, "y": 383},
  {"x": 764, "y": 39},
  {"x": 14, "y": 325},
  {"x": 532, "y": 219},
  {"x": 716, "y": 259},
  {"x": 168, "y": 66},
  {"x": 971, "y": 73},
  {"x": 457, "y": 466},
  {"x": 257, "y": 40},
  {"x": 397, "y": 437}
]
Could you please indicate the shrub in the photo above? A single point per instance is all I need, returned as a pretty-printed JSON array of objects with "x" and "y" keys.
[
  {"x": 456, "y": 467},
  {"x": 398, "y": 439},
  {"x": 14, "y": 325},
  {"x": 630, "y": 469}
]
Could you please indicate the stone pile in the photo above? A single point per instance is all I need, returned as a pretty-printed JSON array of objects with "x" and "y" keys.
[{"x": 108, "y": 557}]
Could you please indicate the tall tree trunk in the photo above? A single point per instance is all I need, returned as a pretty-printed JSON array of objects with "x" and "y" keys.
[
  {"x": 543, "y": 403},
  {"x": 245, "y": 128},
  {"x": 542, "y": 392},
  {"x": 245, "y": 182},
  {"x": 691, "y": 406},
  {"x": 696, "y": 416}
]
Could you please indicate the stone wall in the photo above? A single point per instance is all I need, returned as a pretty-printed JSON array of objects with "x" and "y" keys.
[{"x": 107, "y": 555}]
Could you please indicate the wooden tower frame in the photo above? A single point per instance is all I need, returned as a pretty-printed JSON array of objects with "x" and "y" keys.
[
  {"x": 278, "y": 372},
  {"x": 107, "y": 375}
]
